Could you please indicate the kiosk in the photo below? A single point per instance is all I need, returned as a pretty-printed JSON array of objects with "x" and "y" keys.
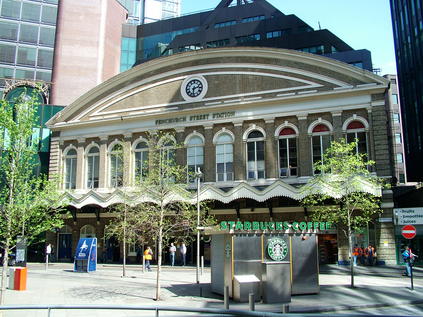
[
  {"x": 283, "y": 262},
  {"x": 86, "y": 255}
]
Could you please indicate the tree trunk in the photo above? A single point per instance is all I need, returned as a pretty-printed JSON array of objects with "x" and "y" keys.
[
  {"x": 350, "y": 251},
  {"x": 4, "y": 272},
  {"x": 159, "y": 253},
  {"x": 124, "y": 246}
]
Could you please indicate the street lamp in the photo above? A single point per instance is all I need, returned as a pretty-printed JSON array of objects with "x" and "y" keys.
[{"x": 198, "y": 176}]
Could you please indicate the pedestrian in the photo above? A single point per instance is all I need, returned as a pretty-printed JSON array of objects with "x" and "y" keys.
[
  {"x": 183, "y": 250},
  {"x": 370, "y": 254},
  {"x": 408, "y": 257},
  {"x": 361, "y": 254},
  {"x": 172, "y": 252},
  {"x": 148, "y": 256},
  {"x": 355, "y": 254}
]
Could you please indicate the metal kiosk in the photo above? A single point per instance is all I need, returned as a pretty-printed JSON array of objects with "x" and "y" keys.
[
  {"x": 284, "y": 262},
  {"x": 86, "y": 255}
]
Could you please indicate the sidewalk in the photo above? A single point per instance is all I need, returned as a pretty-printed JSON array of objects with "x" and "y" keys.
[{"x": 375, "y": 287}]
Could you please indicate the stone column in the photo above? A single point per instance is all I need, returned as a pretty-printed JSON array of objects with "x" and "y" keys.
[
  {"x": 127, "y": 160},
  {"x": 103, "y": 173},
  {"x": 305, "y": 163},
  {"x": 337, "y": 125},
  {"x": 385, "y": 230},
  {"x": 55, "y": 157},
  {"x": 80, "y": 164},
  {"x": 370, "y": 135},
  {"x": 209, "y": 171},
  {"x": 181, "y": 151},
  {"x": 270, "y": 150},
  {"x": 239, "y": 150}
]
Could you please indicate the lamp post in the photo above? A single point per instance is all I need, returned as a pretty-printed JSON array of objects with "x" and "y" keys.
[{"x": 198, "y": 175}]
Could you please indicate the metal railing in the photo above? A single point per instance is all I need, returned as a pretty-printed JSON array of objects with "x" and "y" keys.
[{"x": 155, "y": 309}]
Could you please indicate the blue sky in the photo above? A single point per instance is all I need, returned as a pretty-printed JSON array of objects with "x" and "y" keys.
[{"x": 360, "y": 23}]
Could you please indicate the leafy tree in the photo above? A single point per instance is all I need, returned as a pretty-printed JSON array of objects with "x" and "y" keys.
[
  {"x": 162, "y": 206},
  {"x": 29, "y": 205},
  {"x": 344, "y": 192}
]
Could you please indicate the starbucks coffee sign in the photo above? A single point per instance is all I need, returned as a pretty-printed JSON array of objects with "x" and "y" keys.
[
  {"x": 274, "y": 226},
  {"x": 277, "y": 249}
]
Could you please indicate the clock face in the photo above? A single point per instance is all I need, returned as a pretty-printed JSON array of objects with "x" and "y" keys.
[{"x": 194, "y": 88}]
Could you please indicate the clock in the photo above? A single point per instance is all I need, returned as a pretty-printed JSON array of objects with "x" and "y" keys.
[{"x": 194, "y": 88}]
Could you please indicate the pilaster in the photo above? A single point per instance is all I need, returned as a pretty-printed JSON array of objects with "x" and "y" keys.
[
  {"x": 239, "y": 150},
  {"x": 80, "y": 164},
  {"x": 103, "y": 183},
  {"x": 304, "y": 148},
  {"x": 270, "y": 150},
  {"x": 337, "y": 125},
  {"x": 127, "y": 160},
  {"x": 209, "y": 155}
]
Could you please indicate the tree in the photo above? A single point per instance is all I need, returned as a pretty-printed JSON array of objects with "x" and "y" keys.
[
  {"x": 30, "y": 205},
  {"x": 344, "y": 192},
  {"x": 159, "y": 206}
]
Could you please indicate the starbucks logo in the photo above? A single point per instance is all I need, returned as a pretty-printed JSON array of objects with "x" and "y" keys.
[{"x": 277, "y": 249}]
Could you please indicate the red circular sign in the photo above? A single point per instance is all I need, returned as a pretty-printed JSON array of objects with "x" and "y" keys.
[{"x": 408, "y": 231}]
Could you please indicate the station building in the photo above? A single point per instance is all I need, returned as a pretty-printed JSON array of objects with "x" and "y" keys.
[{"x": 254, "y": 119}]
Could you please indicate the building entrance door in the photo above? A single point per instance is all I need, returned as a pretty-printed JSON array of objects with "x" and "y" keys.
[
  {"x": 65, "y": 247},
  {"x": 328, "y": 249}
]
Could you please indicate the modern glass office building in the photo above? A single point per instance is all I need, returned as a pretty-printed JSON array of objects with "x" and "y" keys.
[{"x": 407, "y": 20}]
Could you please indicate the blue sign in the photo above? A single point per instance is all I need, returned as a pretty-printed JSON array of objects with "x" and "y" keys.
[{"x": 86, "y": 255}]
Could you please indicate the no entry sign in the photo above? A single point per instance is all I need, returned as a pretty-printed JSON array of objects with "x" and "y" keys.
[{"x": 408, "y": 231}]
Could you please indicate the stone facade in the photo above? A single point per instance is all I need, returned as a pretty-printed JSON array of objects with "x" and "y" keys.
[{"x": 253, "y": 89}]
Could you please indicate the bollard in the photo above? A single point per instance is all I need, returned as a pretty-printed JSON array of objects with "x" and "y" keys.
[
  {"x": 251, "y": 302},
  {"x": 202, "y": 264},
  {"x": 143, "y": 264},
  {"x": 226, "y": 297},
  {"x": 46, "y": 261},
  {"x": 201, "y": 291},
  {"x": 285, "y": 308}
]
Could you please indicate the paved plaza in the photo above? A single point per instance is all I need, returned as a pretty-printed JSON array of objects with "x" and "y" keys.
[{"x": 377, "y": 289}]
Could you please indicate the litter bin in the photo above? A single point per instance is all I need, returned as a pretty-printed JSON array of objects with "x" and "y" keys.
[
  {"x": 244, "y": 285},
  {"x": 17, "y": 278}
]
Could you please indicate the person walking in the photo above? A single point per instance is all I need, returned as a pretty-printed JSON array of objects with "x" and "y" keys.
[
  {"x": 172, "y": 252},
  {"x": 183, "y": 250},
  {"x": 370, "y": 254},
  {"x": 355, "y": 254},
  {"x": 148, "y": 256},
  {"x": 408, "y": 257}
]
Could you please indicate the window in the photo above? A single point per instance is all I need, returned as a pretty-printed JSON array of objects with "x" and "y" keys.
[
  {"x": 357, "y": 64},
  {"x": 398, "y": 138},
  {"x": 278, "y": 33},
  {"x": 247, "y": 38},
  {"x": 45, "y": 58},
  {"x": 28, "y": 33},
  {"x": 70, "y": 169},
  {"x": 224, "y": 158},
  {"x": 26, "y": 55},
  {"x": 396, "y": 117},
  {"x": 287, "y": 152},
  {"x": 31, "y": 11},
  {"x": 320, "y": 49},
  {"x": 399, "y": 158},
  {"x": 195, "y": 156},
  {"x": 224, "y": 24},
  {"x": 87, "y": 231},
  {"x": 47, "y": 36},
  {"x": 252, "y": 19},
  {"x": 93, "y": 164},
  {"x": 8, "y": 30},
  {"x": 255, "y": 155},
  {"x": 7, "y": 53},
  {"x": 116, "y": 166},
  {"x": 321, "y": 139},
  {"x": 393, "y": 81},
  {"x": 141, "y": 161},
  {"x": 10, "y": 9},
  {"x": 356, "y": 130},
  {"x": 394, "y": 99},
  {"x": 217, "y": 43},
  {"x": 49, "y": 14}
]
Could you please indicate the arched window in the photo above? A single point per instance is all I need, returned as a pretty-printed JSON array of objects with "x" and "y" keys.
[
  {"x": 357, "y": 130},
  {"x": 195, "y": 156},
  {"x": 70, "y": 169},
  {"x": 255, "y": 155},
  {"x": 141, "y": 160},
  {"x": 167, "y": 149},
  {"x": 287, "y": 152},
  {"x": 87, "y": 231},
  {"x": 321, "y": 138},
  {"x": 224, "y": 158},
  {"x": 116, "y": 165},
  {"x": 93, "y": 164}
]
